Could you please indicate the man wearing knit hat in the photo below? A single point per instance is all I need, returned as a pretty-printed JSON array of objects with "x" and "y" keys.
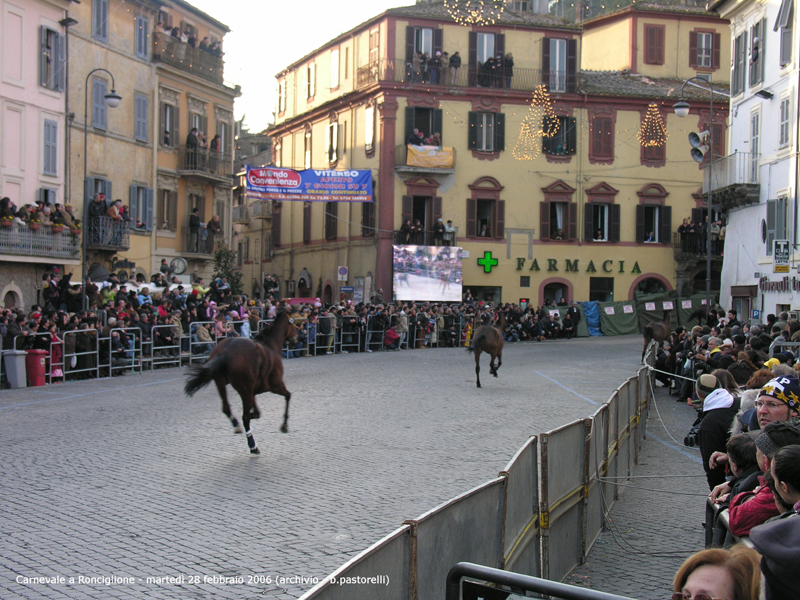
[
  {"x": 779, "y": 400},
  {"x": 719, "y": 410}
]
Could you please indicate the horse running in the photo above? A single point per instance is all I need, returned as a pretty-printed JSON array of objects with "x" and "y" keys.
[
  {"x": 251, "y": 367},
  {"x": 657, "y": 332},
  {"x": 489, "y": 339}
]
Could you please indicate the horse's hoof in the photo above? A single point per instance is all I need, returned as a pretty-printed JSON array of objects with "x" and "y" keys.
[
  {"x": 238, "y": 429},
  {"x": 479, "y": 385},
  {"x": 284, "y": 428},
  {"x": 254, "y": 414},
  {"x": 255, "y": 451}
]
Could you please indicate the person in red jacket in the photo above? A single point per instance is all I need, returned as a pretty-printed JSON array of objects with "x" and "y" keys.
[
  {"x": 749, "y": 509},
  {"x": 391, "y": 338}
]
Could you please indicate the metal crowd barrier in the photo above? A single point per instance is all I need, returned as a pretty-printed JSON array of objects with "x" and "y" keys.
[
  {"x": 91, "y": 356},
  {"x": 173, "y": 350},
  {"x": 196, "y": 347}
]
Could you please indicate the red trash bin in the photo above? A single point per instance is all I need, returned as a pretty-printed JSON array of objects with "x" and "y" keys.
[{"x": 36, "y": 367}]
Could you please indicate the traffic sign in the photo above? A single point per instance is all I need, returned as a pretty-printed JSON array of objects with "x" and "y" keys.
[
  {"x": 780, "y": 256},
  {"x": 342, "y": 273},
  {"x": 347, "y": 289}
]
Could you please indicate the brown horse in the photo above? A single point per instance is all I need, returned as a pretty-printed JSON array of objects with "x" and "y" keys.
[
  {"x": 489, "y": 339},
  {"x": 252, "y": 367},
  {"x": 657, "y": 332}
]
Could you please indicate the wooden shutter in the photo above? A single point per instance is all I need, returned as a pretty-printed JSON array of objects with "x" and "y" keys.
[
  {"x": 134, "y": 213},
  {"x": 572, "y": 66},
  {"x": 588, "y": 221},
  {"x": 473, "y": 59},
  {"x": 546, "y": 61},
  {"x": 572, "y": 135},
  {"x": 409, "y": 122},
  {"x": 44, "y": 57},
  {"x": 472, "y": 217},
  {"x": 98, "y": 104},
  {"x": 499, "y": 132},
  {"x": 88, "y": 194},
  {"x": 438, "y": 41},
  {"x": 107, "y": 190},
  {"x": 665, "y": 225},
  {"x": 437, "y": 208},
  {"x": 276, "y": 223},
  {"x": 499, "y": 44},
  {"x": 572, "y": 221},
  {"x": 367, "y": 219},
  {"x": 640, "y": 224},
  {"x": 763, "y": 50},
  {"x": 409, "y": 44},
  {"x": 500, "y": 219},
  {"x": 715, "y": 50},
  {"x": 437, "y": 122},
  {"x": 613, "y": 230},
  {"x": 61, "y": 63},
  {"x": 693, "y": 49},
  {"x": 472, "y": 131},
  {"x": 176, "y": 127},
  {"x": 148, "y": 208},
  {"x": 408, "y": 208},
  {"x": 544, "y": 221},
  {"x": 331, "y": 220},
  {"x": 306, "y": 222}
]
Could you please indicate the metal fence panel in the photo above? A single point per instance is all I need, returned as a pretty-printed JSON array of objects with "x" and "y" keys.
[
  {"x": 623, "y": 436},
  {"x": 467, "y": 528},
  {"x": 389, "y": 557},
  {"x": 521, "y": 527}
]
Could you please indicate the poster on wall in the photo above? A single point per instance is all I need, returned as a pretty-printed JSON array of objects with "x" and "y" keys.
[{"x": 311, "y": 185}]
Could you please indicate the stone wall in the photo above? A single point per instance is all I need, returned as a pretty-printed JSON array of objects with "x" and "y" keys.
[{"x": 19, "y": 283}]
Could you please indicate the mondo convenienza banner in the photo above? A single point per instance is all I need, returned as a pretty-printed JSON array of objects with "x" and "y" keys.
[{"x": 311, "y": 185}]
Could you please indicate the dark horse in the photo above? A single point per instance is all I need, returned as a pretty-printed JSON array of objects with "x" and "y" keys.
[
  {"x": 489, "y": 339},
  {"x": 251, "y": 367},
  {"x": 657, "y": 332}
]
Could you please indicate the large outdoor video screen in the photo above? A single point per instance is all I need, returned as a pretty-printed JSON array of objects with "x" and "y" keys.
[{"x": 430, "y": 273}]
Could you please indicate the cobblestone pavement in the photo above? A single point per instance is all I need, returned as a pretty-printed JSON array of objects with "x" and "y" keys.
[
  {"x": 656, "y": 523},
  {"x": 129, "y": 478}
]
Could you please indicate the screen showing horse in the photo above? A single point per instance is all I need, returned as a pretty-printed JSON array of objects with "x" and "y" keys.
[{"x": 430, "y": 273}]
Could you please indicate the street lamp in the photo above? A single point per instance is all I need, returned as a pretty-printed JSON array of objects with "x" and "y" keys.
[
  {"x": 112, "y": 100},
  {"x": 701, "y": 143}
]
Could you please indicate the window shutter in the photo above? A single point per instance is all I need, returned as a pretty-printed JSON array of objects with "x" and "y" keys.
[
  {"x": 753, "y": 70},
  {"x": 204, "y": 125},
  {"x": 107, "y": 190},
  {"x": 500, "y": 220},
  {"x": 786, "y": 46},
  {"x": 141, "y": 118},
  {"x": 660, "y": 45},
  {"x": 499, "y": 44},
  {"x": 437, "y": 122},
  {"x": 438, "y": 41},
  {"x": 408, "y": 208},
  {"x": 409, "y": 121},
  {"x": 780, "y": 218},
  {"x": 665, "y": 234},
  {"x": 613, "y": 230},
  {"x": 763, "y": 50},
  {"x": 98, "y": 104},
  {"x": 60, "y": 63},
  {"x": 149, "y": 198},
  {"x": 572, "y": 213},
  {"x": 639, "y": 224},
  {"x": 572, "y": 66},
  {"x": 133, "y": 204},
  {"x": 588, "y": 221},
  {"x": 693, "y": 49},
  {"x": 598, "y": 131},
  {"x": 367, "y": 219},
  {"x": 472, "y": 56},
  {"x": 472, "y": 217},
  {"x": 43, "y": 57},
  {"x": 545, "y": 61},
  {"x": 176, "y": 127},
  {"x": 306, "y": 222},
  {"x": 499, "y": 132},
  {"x": 173, "y": 210},
  {"x": 715, "y": 51},
  {"x": 607, "y": 141},
  {"x": 544, "y": 221},
  {"x": 51, "y": 148},
  {"x": 162, "y": 129},
  {"x": 649, "y": 45},
  {"x": 571, "y": 136},
  {"x": 88, "y": 193},
  {"x": 472, "y": 131},
  {"x": 331, "y": 220},
  {"x": 409, "y": 44},
  {"x": 437, "y": 208},
  {"x": 276, "y": 223}
]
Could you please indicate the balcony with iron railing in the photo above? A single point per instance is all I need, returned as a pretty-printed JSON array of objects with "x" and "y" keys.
[
  {"x": 198, "y": 243},
  {"x": 436, "y": 160},
  {"x": 694, "y": 246},
  {"x": 423, "y": 238},
  {"x": 202, "y": 162},
  {"x": 105, "y": 233},
  {"x": 181, "y": 55},
  {"x": 734, "y": 180},
  {"x": 519, "y": 79},
  {"x": 20, "y": 240}
]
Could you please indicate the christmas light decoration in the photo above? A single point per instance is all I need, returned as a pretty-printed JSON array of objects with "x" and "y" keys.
[
  {"x": 653, "y": 132},
  {"x": 541, "y": 121},
  {"x": 475, "y": 12}
]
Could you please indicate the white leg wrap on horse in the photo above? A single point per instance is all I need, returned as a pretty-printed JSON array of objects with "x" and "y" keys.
[{"x": 251, "y": 442}]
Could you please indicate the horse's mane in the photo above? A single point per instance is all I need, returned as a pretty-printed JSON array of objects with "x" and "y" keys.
[{"x": 268, "y": 333}]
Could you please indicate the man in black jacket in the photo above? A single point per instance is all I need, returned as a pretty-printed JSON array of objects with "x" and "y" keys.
[{"x": 194, "y": 230}]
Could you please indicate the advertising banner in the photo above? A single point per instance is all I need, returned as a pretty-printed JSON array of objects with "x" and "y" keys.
[
  {"x": 311, "y": 185},
  {"x": 430, "y": 156}
]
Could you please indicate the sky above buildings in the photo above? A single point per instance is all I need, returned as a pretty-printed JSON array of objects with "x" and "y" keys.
[{"x": 268, "y": 36}]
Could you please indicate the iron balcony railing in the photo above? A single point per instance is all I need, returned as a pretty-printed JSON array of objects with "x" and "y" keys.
[
  {"x": 106, "y": 233},
  {"x": 181, "y": 55},
  {"x": 526, "y": 80},
  {"x": 695, "y": 245},
  {"x": 198, "y": 241},
  {"x": 20, "y": 240},
  {"x": 204, "y": 161},
  {"x": 423, "y": 238},
  {"x": 739, "y": 168}
]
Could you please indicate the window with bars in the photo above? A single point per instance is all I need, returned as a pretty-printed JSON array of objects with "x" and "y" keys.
[
  {"x": 140, "y": 117},
  {"x": 50, "y": 146},
  {"x": 142, "y": 36}
]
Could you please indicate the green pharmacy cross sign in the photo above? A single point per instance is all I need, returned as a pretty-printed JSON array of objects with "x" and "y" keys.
[{"x": 487, "y": 262}]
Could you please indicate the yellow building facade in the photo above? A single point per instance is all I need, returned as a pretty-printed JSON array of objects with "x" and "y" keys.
[{"x": 585, "y": 213}]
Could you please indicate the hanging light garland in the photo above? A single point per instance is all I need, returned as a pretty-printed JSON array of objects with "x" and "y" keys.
[
  {"x": 653, "y": 132},
  {"x": 541, "y": 121},
  {"x": 475, "y": 12}
]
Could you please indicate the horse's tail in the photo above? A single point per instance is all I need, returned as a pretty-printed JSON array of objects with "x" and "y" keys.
[
  {"x": 201, "y": 375},
  {"x": 476, "y": 340}
]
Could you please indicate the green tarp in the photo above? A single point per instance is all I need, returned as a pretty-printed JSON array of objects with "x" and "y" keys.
[
  {"x": 581, "y": 330},
  {"x": 618, "y": 318}
]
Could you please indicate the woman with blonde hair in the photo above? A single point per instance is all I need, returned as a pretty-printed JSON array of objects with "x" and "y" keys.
[{"x": 718, "y": 574}]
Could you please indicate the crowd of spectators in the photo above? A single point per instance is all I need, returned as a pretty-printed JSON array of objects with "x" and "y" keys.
[
  {"x": 694, "y": 236},
  {"x": 38, "y": 213},
  {"x": 748, "y": 433}
]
